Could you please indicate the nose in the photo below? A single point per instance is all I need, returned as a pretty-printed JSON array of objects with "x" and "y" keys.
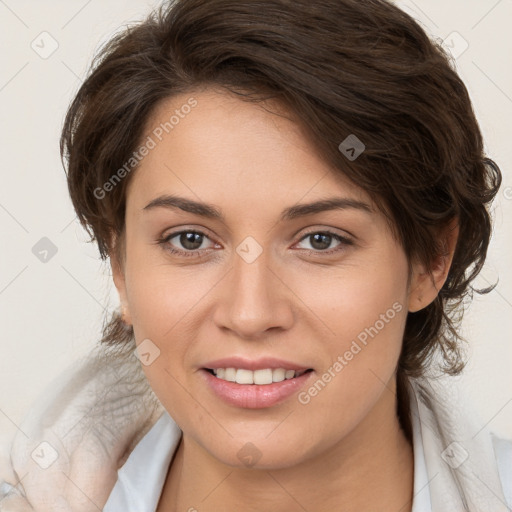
[{"x": 254, "y": 299}]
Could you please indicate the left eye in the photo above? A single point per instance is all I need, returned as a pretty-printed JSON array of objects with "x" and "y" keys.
[{"x": 321, "y": 240}]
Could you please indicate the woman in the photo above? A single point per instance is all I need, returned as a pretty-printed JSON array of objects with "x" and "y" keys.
[{"x": 294, "y": 200}]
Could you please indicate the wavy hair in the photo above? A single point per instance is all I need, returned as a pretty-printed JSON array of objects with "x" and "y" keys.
[{"x": 341, "y": 67}]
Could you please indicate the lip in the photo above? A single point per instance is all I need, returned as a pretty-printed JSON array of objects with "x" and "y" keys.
[
  {"x": 253, "y": 396},
  {"x": 254, "y": 364}
]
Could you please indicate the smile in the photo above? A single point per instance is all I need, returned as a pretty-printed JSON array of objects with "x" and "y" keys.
[
  {"x": 255, "y": 389},
  {"x": 258, "y": 377}
]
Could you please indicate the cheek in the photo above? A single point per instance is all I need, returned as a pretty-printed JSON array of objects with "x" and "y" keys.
[
  {"x": 363, "y": 315},
  {"x": 357, "y": 302},
  {"x": 166, "y": 304},
  {"x": 161, "y": 305},
  {"x": 160, "y": 295}
]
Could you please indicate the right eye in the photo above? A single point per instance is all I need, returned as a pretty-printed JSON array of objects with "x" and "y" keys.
[{"x": 190, "y": 240}]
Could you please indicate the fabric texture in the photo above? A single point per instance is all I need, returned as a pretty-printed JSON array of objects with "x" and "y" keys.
[
  {"x": 90, "y": 419},
  {"x": 71, "y": 448}
]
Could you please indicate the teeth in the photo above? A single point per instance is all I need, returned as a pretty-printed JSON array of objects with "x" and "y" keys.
[
  {"x": 259, "y": 377},
  {"x": 263, "y": 376},
  {"x": 244, "y": 377},
  {"x": 230, "y": 374},
  {"x": 278, "y": 374}
]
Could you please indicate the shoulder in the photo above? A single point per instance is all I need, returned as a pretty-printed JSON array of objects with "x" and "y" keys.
[
  {"x": 473, "y": 466},
  {"x": 86, "y": 423},
  {"x": 142, "y": 477},
  {"x": 503, "y": 452}
]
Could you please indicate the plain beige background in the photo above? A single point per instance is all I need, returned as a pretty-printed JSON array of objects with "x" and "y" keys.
[{"x": 52, "y": 312}]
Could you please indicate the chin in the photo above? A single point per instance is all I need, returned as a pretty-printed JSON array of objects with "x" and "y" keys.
[{"x": 258, "y": 454}]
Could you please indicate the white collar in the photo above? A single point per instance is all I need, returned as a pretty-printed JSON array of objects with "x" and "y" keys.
[
  {"x": 141, "y": 478},
  {"x": 421, "y": 487}
]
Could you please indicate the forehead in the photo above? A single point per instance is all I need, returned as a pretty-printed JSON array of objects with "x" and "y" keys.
[{"x": 214, "y": 146}]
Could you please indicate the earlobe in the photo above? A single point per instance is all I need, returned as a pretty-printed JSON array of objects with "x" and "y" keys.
[
  {"x": 120, "y": 284},
  {"x": 425, "y": 285},
  {"x": 125, "y": 315},
  {"x": 117, "y": 274},
  {"x": 419, "y": 285}
]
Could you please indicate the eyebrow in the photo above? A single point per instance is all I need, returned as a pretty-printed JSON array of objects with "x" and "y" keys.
[{"x": 293, "y": 212}]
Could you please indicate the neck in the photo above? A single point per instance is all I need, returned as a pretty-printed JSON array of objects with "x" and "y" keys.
[{"x": 370, "y": 469}]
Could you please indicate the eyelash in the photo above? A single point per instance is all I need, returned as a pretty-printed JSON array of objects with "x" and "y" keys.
[{"x": 196, "y": 253}]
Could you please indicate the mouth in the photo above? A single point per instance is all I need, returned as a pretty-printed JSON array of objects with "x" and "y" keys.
[
  {"x": 261, "y": 377},
  {"x": 255, "y": 389}
]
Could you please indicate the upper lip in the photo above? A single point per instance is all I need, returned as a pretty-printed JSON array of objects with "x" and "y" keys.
[{"x": 254, "y": 364}]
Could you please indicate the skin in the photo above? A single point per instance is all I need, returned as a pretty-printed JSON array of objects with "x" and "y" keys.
[{"x": 293, "y": 302}]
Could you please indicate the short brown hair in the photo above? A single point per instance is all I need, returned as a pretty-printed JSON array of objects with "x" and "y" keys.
[{"x": 342, "y": 67}]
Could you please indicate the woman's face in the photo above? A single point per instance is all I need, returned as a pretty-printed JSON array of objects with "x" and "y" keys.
[{"x": 265, "y": 284}]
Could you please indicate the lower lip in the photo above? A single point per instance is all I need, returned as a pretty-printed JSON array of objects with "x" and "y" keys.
[{"x": 255, "y": 396}]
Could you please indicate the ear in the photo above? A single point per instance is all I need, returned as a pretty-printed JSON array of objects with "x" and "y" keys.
[
  {"x": 116, "y": 264},
  {"x": 425, "y": 285}
]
